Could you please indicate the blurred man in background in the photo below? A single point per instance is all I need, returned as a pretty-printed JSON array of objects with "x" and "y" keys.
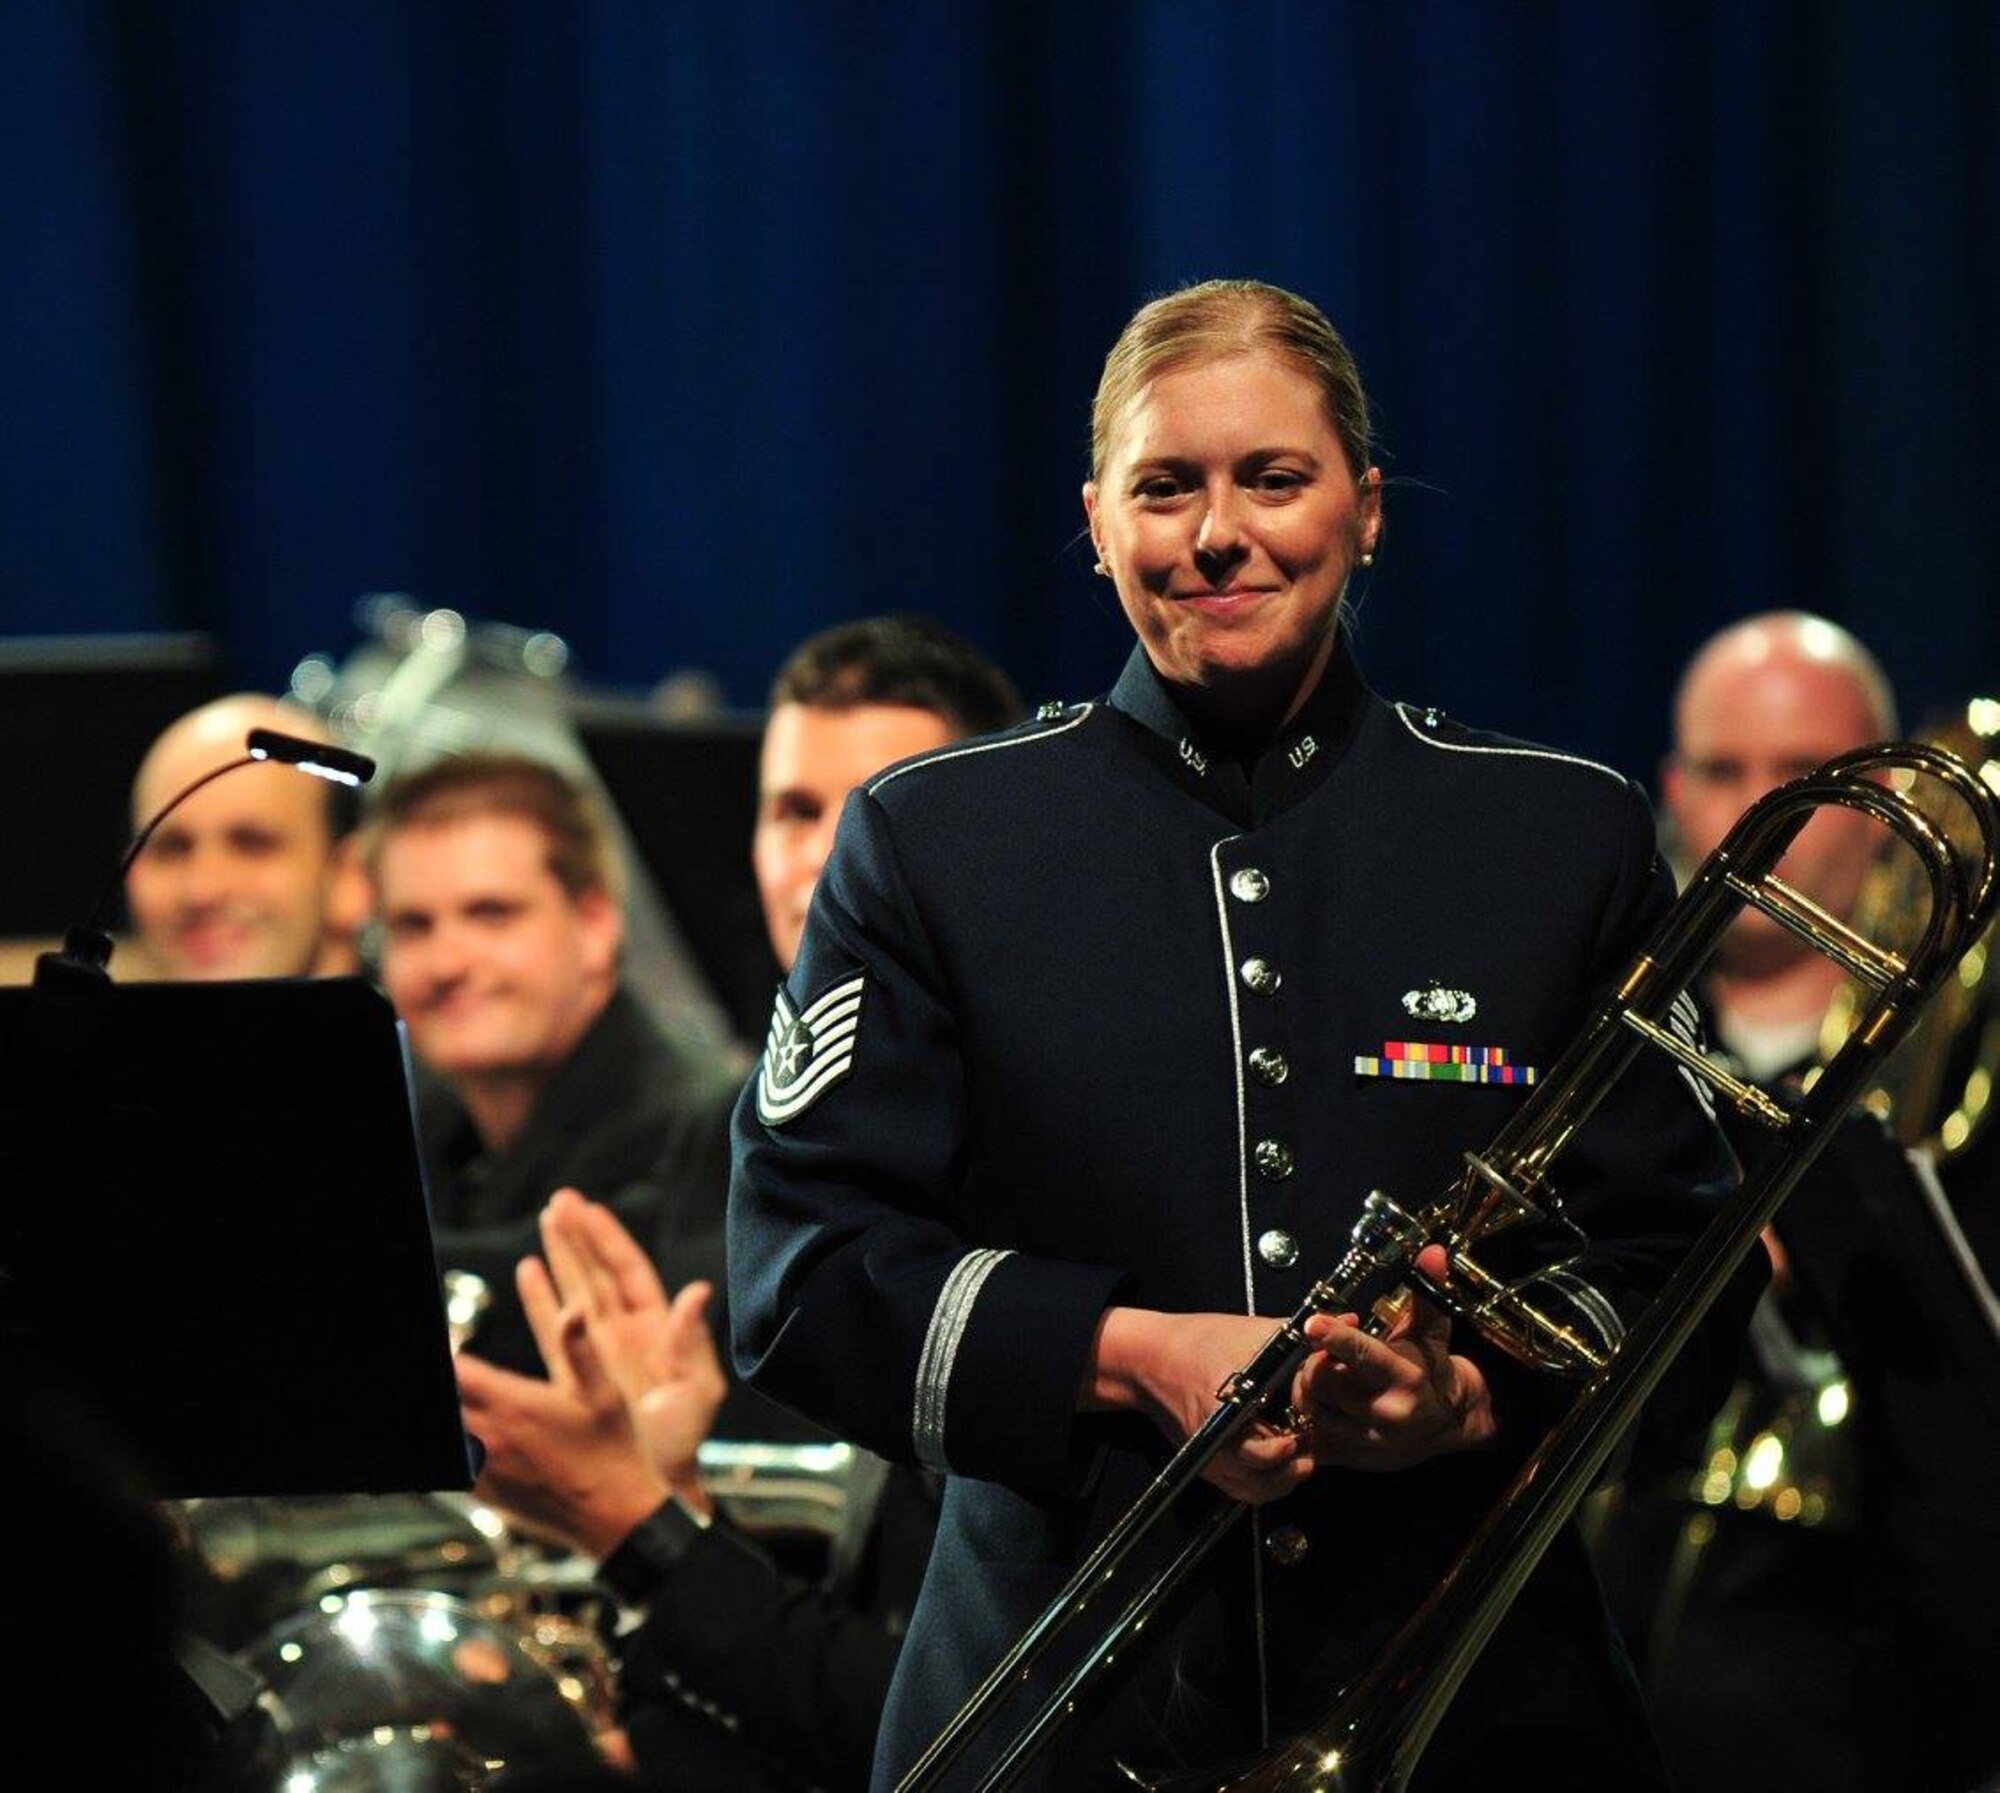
[
  {"x": 848, "y": 702},
  {"x": 739, "y": 1674},
  {"x": 1766, "y": 701},
  {"x": 1747, "y": 1618},
  {"x": 1808, "y": 1588},
  {"x": 254, "y": 875},
  {"x": 501, "y": 904}
]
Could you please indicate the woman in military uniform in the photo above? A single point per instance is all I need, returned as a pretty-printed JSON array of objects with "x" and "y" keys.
[{"x": 1101, "y": 1032}]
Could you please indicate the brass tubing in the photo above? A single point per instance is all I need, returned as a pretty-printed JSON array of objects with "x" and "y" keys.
[
  {"x": 1798, "y": 914},
  {"x": 1747, "y": 1097}
]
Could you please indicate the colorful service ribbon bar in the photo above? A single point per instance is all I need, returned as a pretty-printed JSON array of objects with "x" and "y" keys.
[{"x": 1436, "y": 1062}]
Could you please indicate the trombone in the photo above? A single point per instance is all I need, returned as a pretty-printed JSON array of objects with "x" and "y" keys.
[{"x": 1376, "y": 1730}]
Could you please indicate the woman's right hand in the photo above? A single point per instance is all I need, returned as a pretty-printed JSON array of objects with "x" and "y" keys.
[{"x": 1169, "y": 1367}]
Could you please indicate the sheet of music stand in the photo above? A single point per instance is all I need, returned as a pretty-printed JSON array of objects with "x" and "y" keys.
[{"x": 215, "y": 1239}]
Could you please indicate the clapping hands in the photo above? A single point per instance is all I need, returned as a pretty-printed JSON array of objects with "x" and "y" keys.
[
  {"x": 602, "y": 1295},
  {"x": 633, "y": 1387}
]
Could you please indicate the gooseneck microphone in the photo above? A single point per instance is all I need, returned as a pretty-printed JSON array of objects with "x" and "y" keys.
[{"x": 86, "y": 947}]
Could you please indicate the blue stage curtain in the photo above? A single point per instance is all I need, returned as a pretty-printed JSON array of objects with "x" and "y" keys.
[{"x": 683, "y": 329}]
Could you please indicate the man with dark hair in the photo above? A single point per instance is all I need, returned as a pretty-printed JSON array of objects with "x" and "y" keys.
[
  {"x": 851, "y": 700},
  {"x": 899, "y": 662},
  {"x": 740, "y": 1675},
  {"x": 500, "y": 898}
]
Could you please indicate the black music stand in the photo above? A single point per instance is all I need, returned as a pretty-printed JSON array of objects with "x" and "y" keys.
[{"x": 215, "y": 1239}]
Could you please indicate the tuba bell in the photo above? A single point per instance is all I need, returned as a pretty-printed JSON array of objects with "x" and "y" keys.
[{"x": 1376, "y": 1730}]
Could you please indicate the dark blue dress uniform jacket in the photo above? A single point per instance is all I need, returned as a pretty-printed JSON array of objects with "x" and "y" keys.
[{"x": 1076, "y": 1023}]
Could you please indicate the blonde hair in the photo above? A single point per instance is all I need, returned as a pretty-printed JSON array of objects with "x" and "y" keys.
[{"x": 1230, "y": 317}]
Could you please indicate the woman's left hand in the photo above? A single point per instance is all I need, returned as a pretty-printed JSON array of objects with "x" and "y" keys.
[{"x": 1392, "y": 1402}]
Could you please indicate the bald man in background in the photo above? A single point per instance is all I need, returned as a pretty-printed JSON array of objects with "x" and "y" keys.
[
  {"x": 1809, "y": 1588},
  {"x": 1766, "y": 701},
  {"x": 254, "y": 875}
]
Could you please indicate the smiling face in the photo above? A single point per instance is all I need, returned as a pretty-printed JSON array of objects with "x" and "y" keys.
[
  {"x": 236, "y": 881},
  {"x": 1229, "y": 519},
  {"x": 496, "y": 968}
]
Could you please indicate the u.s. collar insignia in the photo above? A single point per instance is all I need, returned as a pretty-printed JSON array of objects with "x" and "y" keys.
[
  {"x": 807, "y": 1051},
  {"x": 1435, "y": 1003}
]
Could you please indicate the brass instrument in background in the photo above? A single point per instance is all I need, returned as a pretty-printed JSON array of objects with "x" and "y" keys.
[
  {"x": 1937, "y": 1091},
  {"x": 414, "y": 1640},
  {"x": 1374, "y": 1734}
]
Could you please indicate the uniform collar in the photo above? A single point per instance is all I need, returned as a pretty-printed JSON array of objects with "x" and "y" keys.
[{"x": 1288, "y": 767}]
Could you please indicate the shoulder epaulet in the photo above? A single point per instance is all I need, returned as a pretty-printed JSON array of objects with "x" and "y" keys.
[
  {"x": 1428, "y": 724},
  {"x": 1039, "y": 727}
]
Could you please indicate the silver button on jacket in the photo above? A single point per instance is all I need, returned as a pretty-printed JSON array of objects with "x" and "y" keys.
[
  {"x": 1249, "y": 885},
  {"x": 1278, "y": 1249}
]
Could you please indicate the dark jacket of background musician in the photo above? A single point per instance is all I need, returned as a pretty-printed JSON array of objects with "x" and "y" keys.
[
  {"x": 1849, "y": 1646},
  {"x": 744, "y": 1675},
  {"x": 631, "y": 1119}
]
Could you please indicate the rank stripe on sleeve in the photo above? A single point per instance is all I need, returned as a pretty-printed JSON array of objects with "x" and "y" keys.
[{"x": 807, "y": 1051}]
